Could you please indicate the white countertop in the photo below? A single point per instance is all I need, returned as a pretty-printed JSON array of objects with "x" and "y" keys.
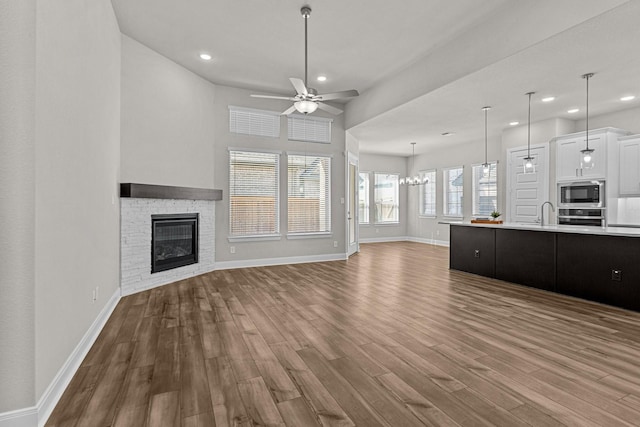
[{"x": 605, "y": 231}]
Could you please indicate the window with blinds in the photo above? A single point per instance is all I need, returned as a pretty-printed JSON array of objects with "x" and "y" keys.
[
  {"x": 453, "y": 191},
  {"x": 363, "y": 197},
  {"x": 386, "y": 195},
  {"x": 249, "y": 121},
  {"x": 485, "y": 190},
  {"x": 309, "y": 194},
  {"x": 253, "y": 193},
  {"x": 309, "y": 129},
  {"x": 428, "y": 193}
]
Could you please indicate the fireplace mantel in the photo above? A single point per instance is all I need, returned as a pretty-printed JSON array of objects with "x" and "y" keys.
[{"x": 149, "y": 191}]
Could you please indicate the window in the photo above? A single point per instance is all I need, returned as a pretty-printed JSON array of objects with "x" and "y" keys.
[
  {"x": 253, "y": 193},
  {"x": 249, "y": 121},
  {"x": 428, "y": 193},
  {"x": 309, "y": 202},
  {"x": 386, "y": 197},
  {"x": 363, "y": 198},
  {"x": 453, "y": 191},
  {"x": 485, "y": 190},
  {"x": 310, "y": 129}
]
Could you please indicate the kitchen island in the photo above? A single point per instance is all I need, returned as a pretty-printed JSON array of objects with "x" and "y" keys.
[{"x": 595, "y": 263}]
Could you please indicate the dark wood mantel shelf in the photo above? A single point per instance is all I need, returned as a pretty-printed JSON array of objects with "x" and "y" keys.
[{"x": 148, "y": 191}]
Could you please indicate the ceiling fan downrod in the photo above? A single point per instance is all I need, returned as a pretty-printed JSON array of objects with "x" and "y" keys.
[{"x": 306, "y": 12}]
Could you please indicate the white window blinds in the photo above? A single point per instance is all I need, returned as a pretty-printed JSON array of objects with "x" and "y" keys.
[
  {"x": 310, "y": 129},
  {"x": 485, "y": 190},
  {"x": 249, "y": 121},
  {"x": 309, "y": 195},
  {"x": 253, "y": 193},
  {"x": 428, "y": 193}
]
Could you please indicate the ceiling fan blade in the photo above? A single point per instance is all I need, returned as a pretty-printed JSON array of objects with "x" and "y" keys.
[
  {"x": 329, "y": 108},
  {"x": 337, "y": 95},
  {"x": 288, "y": 111},
  {"x": 299, "y": 85},
  {"x": 274, "y": 97}
]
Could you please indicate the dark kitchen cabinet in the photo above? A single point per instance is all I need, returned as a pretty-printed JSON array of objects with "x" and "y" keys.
[
  {"x": 599, "y": 268},
  {"x": 526, "y": 257},
  {"x": 473, "y": 249}
]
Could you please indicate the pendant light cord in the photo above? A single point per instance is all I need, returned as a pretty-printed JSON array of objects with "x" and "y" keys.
[
  {"x": 529, "y": 127},
  {"x": 587, "y": 76},
  {"x": 486, "y": 111}
]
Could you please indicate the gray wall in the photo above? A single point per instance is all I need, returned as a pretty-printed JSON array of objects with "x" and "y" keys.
[
  {"x": 60, "y": 127},
  {"x": 388, "y": 164},
  {"x": 17, "y": 203},
  {"x": 224, "y": 139},
  {"x": 167, "y": 121},
  {"x": 77, "y": 162}
]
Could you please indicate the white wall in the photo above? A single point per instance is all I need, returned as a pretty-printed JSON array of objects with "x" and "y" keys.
[
  {"x": 76, "y": 182},
  {"x": 628, "y": 119},
  {"x": 256, "y": 250},
  {"x": 167, "y": 121},
  {"x": 387, "y": 164},
  {"x": 17, "y": 203}
]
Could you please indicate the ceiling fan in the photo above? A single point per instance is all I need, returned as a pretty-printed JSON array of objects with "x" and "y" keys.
[{"x": 307, "y": 99}]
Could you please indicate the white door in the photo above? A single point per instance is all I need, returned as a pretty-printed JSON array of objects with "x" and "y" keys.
[
  {"x": 352, "y": 206},
  {"x": 526, "y": 192}
]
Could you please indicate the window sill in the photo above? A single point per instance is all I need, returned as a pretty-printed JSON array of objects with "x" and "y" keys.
[
  {"x": 257, "y": 238},
  {"x": 453, "y": 218},
  {"x": 428, "y": 216},
  {"x": 382, "y": 224},
  {"x": 322, "y": 235}
]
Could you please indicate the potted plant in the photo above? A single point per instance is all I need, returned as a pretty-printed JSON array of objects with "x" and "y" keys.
[{"x": 495, "y": 215}]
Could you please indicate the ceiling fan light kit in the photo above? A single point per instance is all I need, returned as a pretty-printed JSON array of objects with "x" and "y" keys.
[{"x": 307, "y": 100}]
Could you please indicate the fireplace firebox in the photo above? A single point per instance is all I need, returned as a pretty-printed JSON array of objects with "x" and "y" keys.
[{"x": 174, "y": 241}]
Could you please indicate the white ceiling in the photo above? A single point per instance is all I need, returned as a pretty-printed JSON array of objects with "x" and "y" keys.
[{"x": 359, "y": 44}]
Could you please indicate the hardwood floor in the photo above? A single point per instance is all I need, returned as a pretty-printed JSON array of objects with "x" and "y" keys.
[{"x": 389, "y": 338}]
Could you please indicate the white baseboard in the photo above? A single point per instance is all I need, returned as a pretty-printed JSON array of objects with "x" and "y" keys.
[
  {"x": 26, "y": 417},
  {"x": 384, "y": 239},
  {"x": 54, "y": 391},
  {"x": 262, "y": 262},
  {"x": 429, "y": 241}
]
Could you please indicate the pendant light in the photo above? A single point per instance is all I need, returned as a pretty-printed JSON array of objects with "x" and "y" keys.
[
  {"x": 587, "y": 158},
  {"x": 529, "y": 165},
  {"x": 414, "y": 180},
  {"x": 486, "y": 167}
]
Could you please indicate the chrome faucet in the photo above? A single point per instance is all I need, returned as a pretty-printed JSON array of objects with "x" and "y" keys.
[{"x": 542, "y": 211}]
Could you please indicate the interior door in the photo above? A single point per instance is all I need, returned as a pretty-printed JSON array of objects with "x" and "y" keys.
[
  {"x": 527, "y": 192},
  {"x": 352, "y": 206}
]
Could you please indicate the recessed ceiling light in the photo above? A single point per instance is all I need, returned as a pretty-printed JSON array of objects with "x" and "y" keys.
[
  {"x": 205, "y": 56},
  {"x": 447, "y": 133},
  {"x": 627, "y": 98},
  {"x": 573, "y": 110},
  {"x": 548, "y": 99},
  {"x": 322, "y": 78},
  {"x": 514, "y": 123}
]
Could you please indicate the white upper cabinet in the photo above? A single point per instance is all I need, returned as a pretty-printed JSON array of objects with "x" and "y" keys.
[
  {"x": 569, "y": 158},
  {"x": 569, "y": 165},
  {"x": 629, "y": 165}
]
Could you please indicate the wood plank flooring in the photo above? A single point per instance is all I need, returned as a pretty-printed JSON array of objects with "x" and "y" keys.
[{"x": 390, "y": 337}]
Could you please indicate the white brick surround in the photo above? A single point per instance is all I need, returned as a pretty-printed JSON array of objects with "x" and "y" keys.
[{"x": 135, "y": 241}]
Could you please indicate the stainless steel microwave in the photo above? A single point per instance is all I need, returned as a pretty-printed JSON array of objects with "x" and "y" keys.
[{"x": 582, "y": 194}]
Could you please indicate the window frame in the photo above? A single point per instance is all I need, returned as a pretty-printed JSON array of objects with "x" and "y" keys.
[
  {"x": 423, "y": 188},
  {"x": 328, "y": 212},
  {"x": 474, "y": 195},
  {"x": 445, "y": 193},
  {"x": 397, "y": 201},
  {"x": 367, "y": 193},
  {"x": 275, "y": 235}
]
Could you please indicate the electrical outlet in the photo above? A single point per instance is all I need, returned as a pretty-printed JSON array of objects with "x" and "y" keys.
[
  {"x": 97, "y": 292},
  {"x": 476, "y": 253},
  {"x": 437, "y": 232},
  {"x": 232, "y": 249},
  {"x": 616, "y": 275},
  {"x": 93, "y": 296},
  {"x": 335, "y": 243}
]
